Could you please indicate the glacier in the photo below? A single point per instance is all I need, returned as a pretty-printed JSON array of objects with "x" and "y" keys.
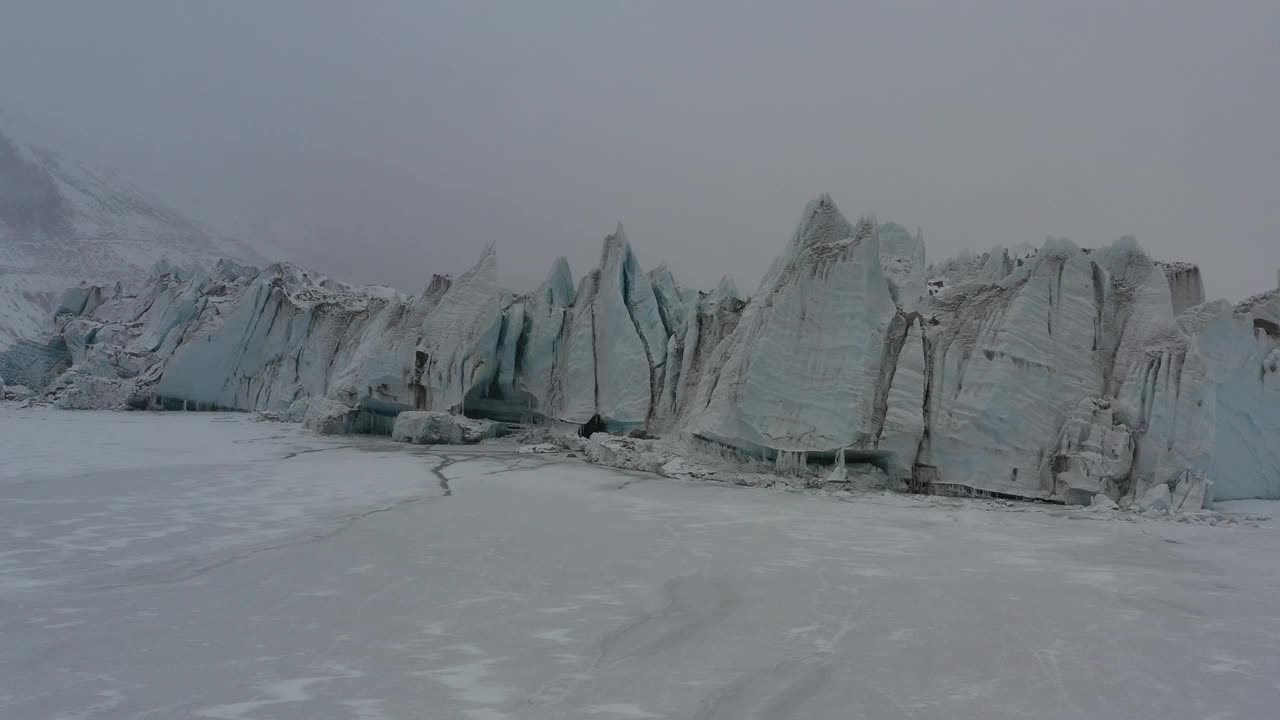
[
  {"x": 1056, "y": 372},
  {"x": 64, "y": 223}
]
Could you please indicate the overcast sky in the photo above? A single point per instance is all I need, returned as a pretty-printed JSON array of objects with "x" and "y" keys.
[{"x": 382, "y": 141}]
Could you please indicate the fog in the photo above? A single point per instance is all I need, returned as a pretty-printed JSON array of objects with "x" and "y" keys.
[{"x": 384, "y": 141}]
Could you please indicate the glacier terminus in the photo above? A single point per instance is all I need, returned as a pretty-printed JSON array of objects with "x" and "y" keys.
[{"x": 1061, "y": 373}]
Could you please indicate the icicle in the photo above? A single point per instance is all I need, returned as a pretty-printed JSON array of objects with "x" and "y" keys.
[
  {"x": 791, "y": 462},
  {"x": 838, "y": 472}
]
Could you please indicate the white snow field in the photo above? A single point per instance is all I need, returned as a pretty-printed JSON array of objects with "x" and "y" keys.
[{"x": 201, "y": 565}]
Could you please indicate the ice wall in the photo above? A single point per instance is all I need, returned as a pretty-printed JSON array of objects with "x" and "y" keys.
[
  {"x": 460, "y": 336},
  {"x": 802, "y": 370},
  {"x": 1052, "y": 371},
  {"x": 1185, "y": 285},
  {"x": 1242, "y": 347}
]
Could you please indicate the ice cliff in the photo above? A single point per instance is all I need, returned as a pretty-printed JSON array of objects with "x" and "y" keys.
[{"x": 1055, "y": 372}]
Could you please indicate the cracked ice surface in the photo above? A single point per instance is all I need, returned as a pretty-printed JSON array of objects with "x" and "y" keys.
[{"x": 208, "y": 566}]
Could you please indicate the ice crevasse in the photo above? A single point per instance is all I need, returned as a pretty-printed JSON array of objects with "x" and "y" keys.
[{"x": 1057, "y": 371}]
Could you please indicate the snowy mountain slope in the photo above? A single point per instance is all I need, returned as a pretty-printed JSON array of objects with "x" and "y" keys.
[
  {"x": 1055, "y": 372},
  {"x": 63, "y": 222}
]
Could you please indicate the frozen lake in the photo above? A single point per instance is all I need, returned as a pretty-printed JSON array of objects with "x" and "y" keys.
[{"x": 209, "y": 566}]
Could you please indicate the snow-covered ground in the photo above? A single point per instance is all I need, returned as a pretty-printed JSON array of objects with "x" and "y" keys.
[{"x": 209, "y": 566}]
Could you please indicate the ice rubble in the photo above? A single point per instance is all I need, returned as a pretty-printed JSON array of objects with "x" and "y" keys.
[
  {"x": 328, "y": 417},
  {"x": 441, "y": 428},
  {"x": 1054, "y": 372},
  {"x": 14, "y": 391}
]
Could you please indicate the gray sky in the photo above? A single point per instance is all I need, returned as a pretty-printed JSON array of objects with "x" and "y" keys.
[{"x": 382, "y": 141}]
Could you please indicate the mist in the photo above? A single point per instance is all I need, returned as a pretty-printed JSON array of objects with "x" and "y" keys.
[{"x": 383, "y": 142}]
